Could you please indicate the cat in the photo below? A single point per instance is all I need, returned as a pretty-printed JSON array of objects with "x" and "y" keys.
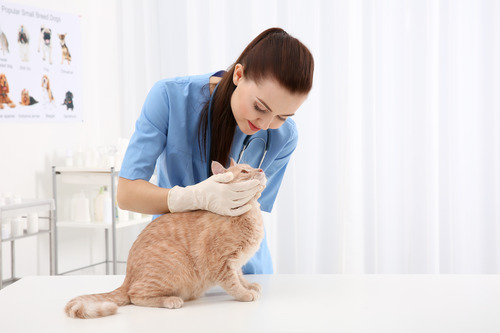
[{"x": 179, "y": 256}]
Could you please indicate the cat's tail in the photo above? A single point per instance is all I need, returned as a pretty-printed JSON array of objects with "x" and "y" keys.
[{"x": 97, "y": 305}]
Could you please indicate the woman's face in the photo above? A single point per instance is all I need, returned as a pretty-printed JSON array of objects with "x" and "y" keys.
[{"x": 261, "y": 106}]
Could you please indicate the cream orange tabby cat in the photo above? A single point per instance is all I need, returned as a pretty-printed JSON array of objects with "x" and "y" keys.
[{"x": 178, "y": 256}]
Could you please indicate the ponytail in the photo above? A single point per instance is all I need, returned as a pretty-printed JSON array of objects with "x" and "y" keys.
[{"x": 273, "y": 54}]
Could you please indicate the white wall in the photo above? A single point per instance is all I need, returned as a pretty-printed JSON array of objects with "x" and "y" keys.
[{"x": 28, "y": 150}]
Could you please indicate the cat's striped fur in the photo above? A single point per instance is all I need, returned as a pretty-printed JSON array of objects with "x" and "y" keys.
[{"x": 178, "y": 256}]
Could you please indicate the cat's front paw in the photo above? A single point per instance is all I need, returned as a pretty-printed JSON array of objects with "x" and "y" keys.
[
  {"x": 249, "y": 296},
  {"x": 254, "y": 286},
  {"x": 173, "y": 302}
]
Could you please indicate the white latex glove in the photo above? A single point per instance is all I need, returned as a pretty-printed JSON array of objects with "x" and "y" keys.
[{"x": 215, "y": 195}]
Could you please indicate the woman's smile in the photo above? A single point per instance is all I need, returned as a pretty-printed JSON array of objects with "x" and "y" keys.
[{"x": 253, "y": 127}]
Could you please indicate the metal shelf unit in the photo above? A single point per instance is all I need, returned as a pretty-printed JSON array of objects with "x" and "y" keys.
[
  {"x": 100, "y": 176},
  {"x": 28, "y": 206}
]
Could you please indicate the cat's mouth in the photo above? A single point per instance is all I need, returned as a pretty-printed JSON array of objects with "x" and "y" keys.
[{"x": 262, "y": 178}]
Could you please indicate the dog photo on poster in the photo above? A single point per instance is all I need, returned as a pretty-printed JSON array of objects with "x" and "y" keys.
[{"x": 40, "y": 65}]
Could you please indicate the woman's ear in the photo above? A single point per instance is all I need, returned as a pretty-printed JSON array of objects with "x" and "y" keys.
[
  {"x": 217, "y": 168},
  {"x": 238, "y": 73}
]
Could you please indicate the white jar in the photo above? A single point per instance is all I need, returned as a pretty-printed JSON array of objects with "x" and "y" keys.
[
  {"x": 8, "y": 198},
  {"x": 33, "y": 223},
  {"x": 16, "y": 227},
  {"x": 6, "y": 228},
  {"x": 16, "y": 199}
]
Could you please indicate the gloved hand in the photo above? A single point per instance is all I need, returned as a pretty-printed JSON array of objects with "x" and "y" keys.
[{"x": 215, "y": 195}]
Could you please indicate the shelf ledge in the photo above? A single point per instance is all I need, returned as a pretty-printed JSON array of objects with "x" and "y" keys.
[{"x": 102, "y": 225}]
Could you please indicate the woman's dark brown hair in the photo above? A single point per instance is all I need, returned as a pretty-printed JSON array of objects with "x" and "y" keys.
[{"x": 273, "y": 54}]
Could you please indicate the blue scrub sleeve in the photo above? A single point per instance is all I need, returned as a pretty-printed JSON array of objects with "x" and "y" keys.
[
  {"x": 275, "y": 173},
  {"x": 150, "y": 136}
]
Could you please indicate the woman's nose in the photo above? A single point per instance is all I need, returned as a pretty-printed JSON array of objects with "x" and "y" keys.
[{"x": 265, "y": 122}]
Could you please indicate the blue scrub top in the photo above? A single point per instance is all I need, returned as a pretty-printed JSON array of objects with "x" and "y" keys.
[{"x": 166, "y": 136}]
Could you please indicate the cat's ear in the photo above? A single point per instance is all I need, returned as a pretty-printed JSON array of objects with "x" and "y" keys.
[
  {"x": 233, "y": 163},
  {"x": 217, "y": 168}
]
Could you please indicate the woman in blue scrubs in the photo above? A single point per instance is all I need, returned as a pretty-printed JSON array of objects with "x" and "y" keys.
[{"x": 187, "y": 122}]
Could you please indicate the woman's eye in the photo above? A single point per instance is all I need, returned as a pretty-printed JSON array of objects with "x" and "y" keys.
[{"x": 258, "y": 109}]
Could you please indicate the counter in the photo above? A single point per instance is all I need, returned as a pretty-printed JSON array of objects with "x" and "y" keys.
[{"x": 289, "y": 303}]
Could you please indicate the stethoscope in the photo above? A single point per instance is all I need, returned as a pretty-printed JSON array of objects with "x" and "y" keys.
[
  {"x": 249, "y": 139},
  {"x": 246, "y": 142}
]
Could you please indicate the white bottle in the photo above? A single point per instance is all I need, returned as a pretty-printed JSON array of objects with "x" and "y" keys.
[
  {"x": 69, "y": 157},
  {"x": 108, "y": 208},
  {"x": 16, "y": 226},
  {"x": 6, "y": 228},
  {"x": 99, "y": 206},
  {"x": 102, "y": 206},
  {"x": 80, "y": 208},
  {"x": 79, "y": 157}
]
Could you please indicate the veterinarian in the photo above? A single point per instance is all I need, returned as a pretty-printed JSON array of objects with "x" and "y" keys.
[{"x": 186, "y": 122}]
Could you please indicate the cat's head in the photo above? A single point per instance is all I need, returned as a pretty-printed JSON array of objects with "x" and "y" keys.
[{"x": 241, "y": 172}]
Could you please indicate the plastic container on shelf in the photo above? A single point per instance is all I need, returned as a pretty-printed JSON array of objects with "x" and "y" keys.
[
  {"x": 123, "y": 215},
  {"x": 103, "y": 211},
  {"x": 33, "y": 225},
  {"x": 16, "y": 226},
  {"x": 80, "y": 208},
  {"x": 6, "y": 228}
]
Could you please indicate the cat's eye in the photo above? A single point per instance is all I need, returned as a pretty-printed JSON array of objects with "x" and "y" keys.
[{"x": 244, "y": 171}]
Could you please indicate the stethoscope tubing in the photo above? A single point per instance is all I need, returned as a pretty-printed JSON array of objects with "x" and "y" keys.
[{"x": 249, "y": 139}]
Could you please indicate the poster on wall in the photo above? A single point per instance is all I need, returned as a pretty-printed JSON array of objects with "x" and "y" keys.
[{"x": 40, "y": 65}]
